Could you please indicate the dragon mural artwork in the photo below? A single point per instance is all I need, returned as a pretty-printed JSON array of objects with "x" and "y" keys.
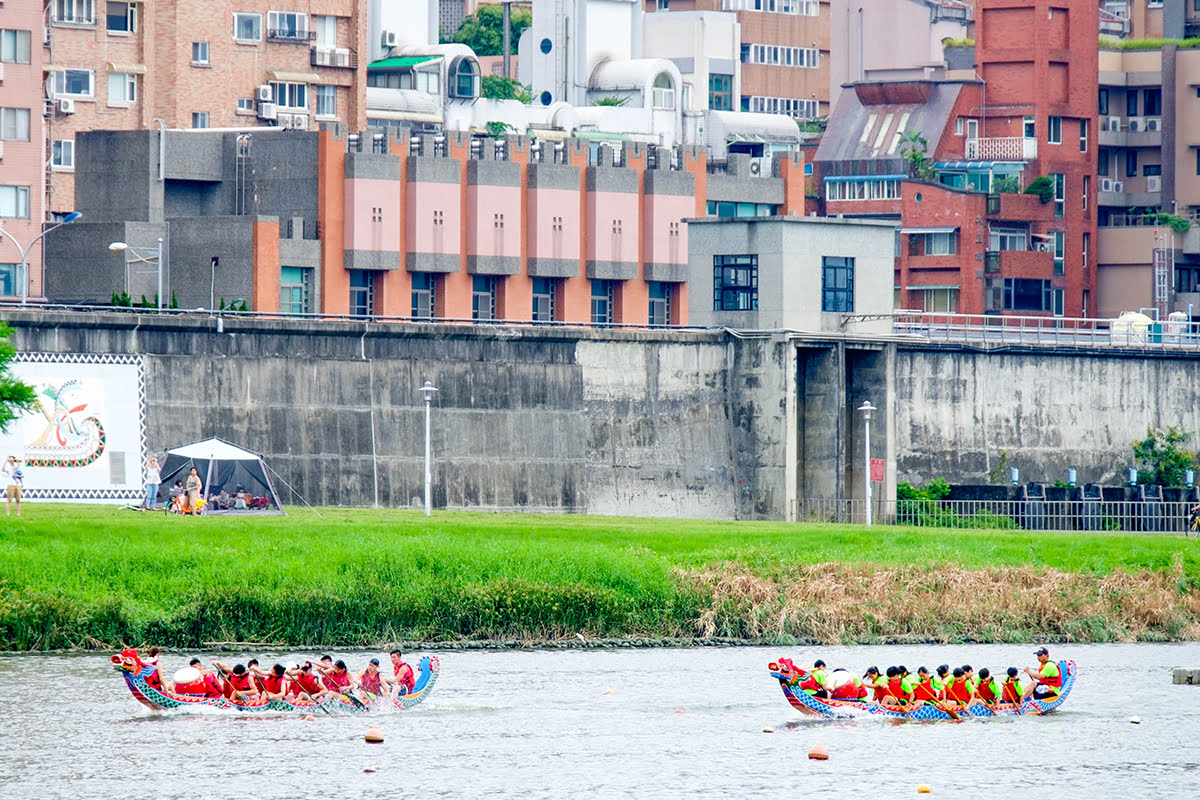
[{"x": 69, "y": 439}]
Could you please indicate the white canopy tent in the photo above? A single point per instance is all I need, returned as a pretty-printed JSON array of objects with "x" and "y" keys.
[{"x": 223, "y": 467}]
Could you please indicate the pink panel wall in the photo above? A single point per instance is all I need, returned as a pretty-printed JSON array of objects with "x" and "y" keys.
[
  {"x": 544, "y": 206},
  {"x": 429, "y": 232},
  {"x": 494, "y": 221},
  {"x": 363, "y": 196},
  {"x": 661, "y": 211},
  {"x": 606, "y": 211}
]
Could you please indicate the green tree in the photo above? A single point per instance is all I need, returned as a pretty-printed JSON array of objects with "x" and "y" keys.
[
  {"x": 915, "y": 150},
  {"x": 15, "y": 396},
  {"x": 483, "y": 30},
  {"x": 498, "y": 87},
  {"x": 1161, "y": 458}
]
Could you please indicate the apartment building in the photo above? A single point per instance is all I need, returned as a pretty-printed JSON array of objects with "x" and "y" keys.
[
  {"x": 198, "y": 64},
  {"x": 784, "y": 54},
  {"x": 22, "y": 146},
  {"x": 445, "y": 226}
]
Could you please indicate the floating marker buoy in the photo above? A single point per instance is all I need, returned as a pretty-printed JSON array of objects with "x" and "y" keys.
[
  {"x": 923, "y": 789},
  {"x": 768, "y": 730},
  {"x": 679, "y": 711},
  {"x": 608, "y": 691},
  {"x": 369, "y": 768},
  {"x": 818, "y": 753},
  {"x": 1136, "y": 720},
  {"x": 374, "y": 736},
  {"x": 310, "y": 718}
]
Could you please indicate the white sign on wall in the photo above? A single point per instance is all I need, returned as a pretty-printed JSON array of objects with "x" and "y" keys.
[{"x": 85, "y": 438}]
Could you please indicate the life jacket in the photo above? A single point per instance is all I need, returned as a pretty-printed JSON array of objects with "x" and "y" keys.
[
  {"x": 307, "y": 682},
  {"x": 1012, "y": 690},
  {"x": 958, "y": 690},
  {"x": 338, "y": 682},
  {"x": 273, "y": 683},
  {"x": 1054, "y": 681},
  {"x": 897, "y": 687},
  {"x": 925, "y": 690},
  {"x": 212, "y": 686},
  {"x": 987, "y": 690},
  {"x": 370, "y": 683},
  {"x": 404, "y": 675},
  {"x": 241, "y": 683},
  {"x": 811, "y": 684},
  {"x": 880, "y": 687},
  {"x": 850, "y": 691}
]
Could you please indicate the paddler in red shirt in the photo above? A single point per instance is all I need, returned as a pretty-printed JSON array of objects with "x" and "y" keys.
[
  {"x": 337, "y": 678},
  {"x": 212, "y": 686},
  {"x": 240, "y": 681},
  {"x": 370, "y": 681},
  {"x": 274, "y": 682},
  {"x": 305, "y": 682},
  {"x": 405, "y": 678}
]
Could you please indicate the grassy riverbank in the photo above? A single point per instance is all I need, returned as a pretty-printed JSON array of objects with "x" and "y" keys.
[{"x": 95, "y": 577}]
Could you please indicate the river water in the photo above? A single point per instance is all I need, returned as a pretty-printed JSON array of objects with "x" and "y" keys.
[{"x": 544, "y": 724}]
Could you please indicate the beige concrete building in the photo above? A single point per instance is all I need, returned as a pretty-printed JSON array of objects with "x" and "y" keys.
[{"x": 198, "y": 64}]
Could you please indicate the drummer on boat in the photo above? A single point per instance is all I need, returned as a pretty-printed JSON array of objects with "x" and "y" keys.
[{"x": 1047, "y": 678}]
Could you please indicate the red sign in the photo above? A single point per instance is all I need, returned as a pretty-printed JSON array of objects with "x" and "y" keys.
[{"x": 878, "y": 470}]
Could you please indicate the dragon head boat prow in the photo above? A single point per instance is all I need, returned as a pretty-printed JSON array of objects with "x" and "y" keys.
[{"x": 787, "y": 672}]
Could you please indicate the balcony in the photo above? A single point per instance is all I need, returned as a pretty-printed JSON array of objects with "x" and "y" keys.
[
  {"x": 333, "y": 57},
  {"x": 1019, "y": 207},
  {"x": 290, "y": 35},
  {"x": 1118, "y": 131},
  {"x": 1019, "y": 263},
  {"x": 1002, "y": 148}
]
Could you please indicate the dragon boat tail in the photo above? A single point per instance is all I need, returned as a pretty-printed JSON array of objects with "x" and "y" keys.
[
  {"x": 144, "y": 685},
  {"x": 790, "y": 677}
]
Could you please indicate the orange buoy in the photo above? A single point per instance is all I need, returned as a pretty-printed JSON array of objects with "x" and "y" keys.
[
  {"x": 310, "y": 718},
  {"x": 924, "y": 789},
  {"x": 373, "y": 735},
  {"x": 818, "y": 753}
]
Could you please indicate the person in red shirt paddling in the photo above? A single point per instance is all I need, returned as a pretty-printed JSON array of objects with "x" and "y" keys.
[
  {"x": 337, "y": 677},
  {"x": 370, "y": 680},
  {"x": 306, "y": 683},
  {"x": 274, "y": 682},
  {"x": 404, "y": 676},
  {"x": 240, "y": 681},
  {"x": 213, "y": 686}
]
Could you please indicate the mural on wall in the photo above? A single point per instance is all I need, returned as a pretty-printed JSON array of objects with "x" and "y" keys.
[{"x": 85, "y": 437}]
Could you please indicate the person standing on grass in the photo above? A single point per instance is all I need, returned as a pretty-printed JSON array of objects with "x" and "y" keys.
[
  {"x": 14, "y": 482},
  {"x": 193, "y": 486},
  {"x": 152, "y": 478}
]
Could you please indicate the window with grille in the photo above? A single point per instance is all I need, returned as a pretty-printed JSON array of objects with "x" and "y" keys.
[
  {"x": 362, "y": 292},
  {"x": 603, "y": 294},
  {"x": 837, "y": 283},
  {"x": 735, "y": 283},
  {"x": 424, "y": 295}
]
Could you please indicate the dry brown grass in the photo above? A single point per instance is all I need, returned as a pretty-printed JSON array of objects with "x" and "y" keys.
[{"x": 838, "y": 603}]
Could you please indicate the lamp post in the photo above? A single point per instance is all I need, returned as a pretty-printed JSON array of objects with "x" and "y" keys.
[
  {"x": 24, "y": 251},
  {"x": 428, "y": 391},
  {"x": 158, "y": 254},
  {"x": 867, "y": 408}
]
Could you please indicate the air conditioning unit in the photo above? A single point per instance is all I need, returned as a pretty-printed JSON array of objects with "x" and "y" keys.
[
  {"x": 1154, "y": 123},
  {"x": 66, "y": 105},
  {"x": 263, "y": 93},
  {"x": 761, "y": 166},
  {"x": 267, "y": 111},
  {"x": 283, "y": 120},
  {"x": 1136, "y": 124},
  {"x": 1106, "y": 184},
  {"x": 1117, "y": 186},
  {"x": 1154, "y": 183},
  {"x": 388, "y": 39},
  {"x": 1114, "y": 124},
  {"x": 298, "y": 122}
]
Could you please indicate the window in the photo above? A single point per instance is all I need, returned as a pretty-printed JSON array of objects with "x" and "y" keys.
[
  {"x": 1054, "y": 130},
  {"x": 430, "y": 81},
  {"x": 122, "y": 88},
  {"x": 1029, "y": 128},
  {"x": 62, "y": 154},
  {"x": 735, "y": 283},
  {"x": 1187, "y": 279},
  {"x": 720, "y": 92},
  {"x": 1007, "y": 239},
  {"x": 1131, "y": 103},
  {"x": 862, "y": 189},
  {"x": 199, "y": 52},
  {"x": 603, "y": 295},
  {"x": 941, "y": 299},
  {"x": 1102, "y": 162},
  {"x": 14, "y": 46},
  {"x": 1131, "y": 163},
  {"x": 77, "y": 82},
  {"x": 1060, "y": 192},
  {"x": 14, "y": 202},
  {"x": 1103, "y": 104},
  {"x": 940, "y": 244},
  {"x": 326, "y": 101},
  {"x": 1152, "y": 102},
  {"x": 958, "y": 126},
  {"x": 483, "y": 297},
  {"x": 362, "y": 293},
  {"x": 972, "y": 129},
  {"x": 287, "y": 26},
  {"x": 1058, "y": 241},
  {"x": 199, "y": 119},
  {"x": 295, "y": 290},
  {"x": 245, "y": 105},
  {"x": 664, "y": 92},
  {"x": 1083, "y": 135},
  {"x": 1026, "y": 294},
  {"x": 464, "y": 78},
  {"x": 76, "y": 12},
  {"x": 543, "y": 299},
  {"x": 662, "y": 5},
  {"x": 1083, "y": 251},
  {"x": 8, "y": 278},
  {"x": 788, "y": 106},
  {"x": 1087, "y": 186},
  {"x": 799, "y": 57},
  {"x": 659, "y": 312},
  {"x": 326, "y": 28},
  {"x": 837, "y": 283},
  {"x": 424, "y": 295},
  {"x": 14, "y": 124},
  {"x": 290, "y": 95},
  {"x": 122, "y": 17},
  {"x": 247, "y": 27},
  {"x": 1198, "y": 162}
]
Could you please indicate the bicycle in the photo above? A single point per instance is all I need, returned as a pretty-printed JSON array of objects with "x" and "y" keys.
[{"x": 1193, "y": 526}]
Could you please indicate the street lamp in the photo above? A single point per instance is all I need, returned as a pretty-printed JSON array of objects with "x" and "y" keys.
[
  {"x": 428, "y": 391},
  {"x": 158, "y": 254},
  {"x": 24, "y": 251},
  {"x": 867, "y": 408}
]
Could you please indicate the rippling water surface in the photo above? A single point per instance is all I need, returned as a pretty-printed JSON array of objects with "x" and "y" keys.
[{"x": 677, "y": 723}]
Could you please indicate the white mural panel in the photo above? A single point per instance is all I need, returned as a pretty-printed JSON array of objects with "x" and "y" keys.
[{"x": 85, "y": 438}]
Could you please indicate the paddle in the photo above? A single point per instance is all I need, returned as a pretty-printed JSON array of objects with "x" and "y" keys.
[{"x": 309, "y": 696}]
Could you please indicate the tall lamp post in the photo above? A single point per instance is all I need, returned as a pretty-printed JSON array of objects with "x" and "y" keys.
[
  {"x": 428, "y": 391},
  {"x": 24, "y": 251},
  {"x": 867, "y": 408},
  {"x": 158, "y": 254}
]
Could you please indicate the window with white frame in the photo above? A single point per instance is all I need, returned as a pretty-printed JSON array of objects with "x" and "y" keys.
[
  {"x": 782, "y": 56},
  {"x": 121, "y": 17},
  {"x": 14, "y": 202},
  {"x": 247, "y": 27},
  {"x": 122, "y": 88},
  {"x": 287, "y": 25},
  {"x": 326, "y": 101},
  {"x": 75, "y": 12},
  {"x": 863, "y": 189},
  {"x": 664, "y": 92},
  {"x": 326, "y": 30},
  {"x": 1029, "y": 128},
  {"x": 1083, "y": 135},
  {"x": 1054, "y": 130},
  {"x": 200, "y": 53},
  {"x": 14, "y": 46},
  {"x": 62, "y": 154},
  {"x": 290, "y": 95},
  {"x": 1059, "y": 242},
  {"x": 429, "y": 81},
  {"x": 1060, "y": 192},
  {"x": 1008, "y": 239},
  {"x": 804, "y": 8},
  {"x": 14, "y": 124},
  {"x": 788, "y": 106},
  {"x": 245, "y": 106},
  {"x": 74, "y": 83},
  {"x": 199, "y": 119},
  {"x": 943, "y": 243},
  {"x": 942, "y": 299}
]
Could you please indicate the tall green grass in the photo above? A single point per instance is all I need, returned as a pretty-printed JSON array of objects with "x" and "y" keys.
[{"x": 90, "y": 576}]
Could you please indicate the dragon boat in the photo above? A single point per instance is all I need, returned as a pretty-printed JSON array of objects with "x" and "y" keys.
[
  {"x": 790, "y": 677},
  {"x": 137, "y": 675}
]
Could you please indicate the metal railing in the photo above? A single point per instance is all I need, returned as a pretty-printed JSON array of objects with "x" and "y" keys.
[
  {"x": 996, "y": 329},
  {"x": 1162, "y": 517},
  {"x": 1001, "y": 147}
]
